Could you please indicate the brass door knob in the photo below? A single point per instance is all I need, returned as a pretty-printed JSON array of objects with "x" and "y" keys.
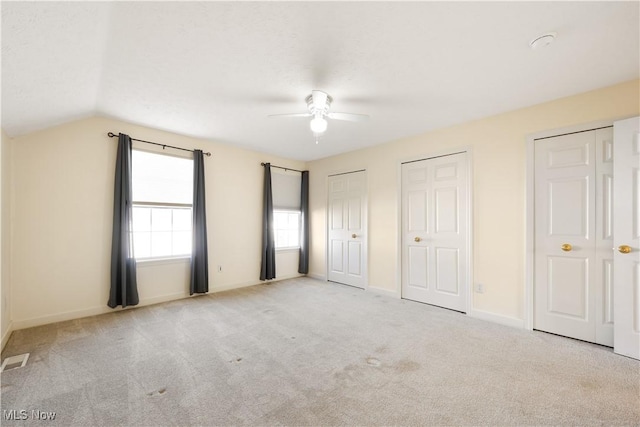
[
  {"x": 566, "y": 247},
  {"x": 417, "y": 239},
  {"x": 354, "y": 235},
  {"x": 624, "y": 249}
]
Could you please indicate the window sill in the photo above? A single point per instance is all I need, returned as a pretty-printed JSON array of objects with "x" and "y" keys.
[
  {"x": 292, "y": 249},
  {"x": 162, "y": 261}
]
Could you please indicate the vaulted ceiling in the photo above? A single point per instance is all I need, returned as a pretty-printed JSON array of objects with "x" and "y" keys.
[{"x": 216, "y": 70}]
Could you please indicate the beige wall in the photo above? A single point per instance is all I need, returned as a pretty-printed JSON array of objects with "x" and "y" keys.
[
  {"x": 62, "y": 210},
  {"x": 498, "y": 160},
  {"x": 57, "y": 187},
  {"x": 5, "y": 238}
]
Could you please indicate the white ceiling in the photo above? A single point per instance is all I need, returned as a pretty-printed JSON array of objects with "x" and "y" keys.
[{"x": 215, "y": 70}]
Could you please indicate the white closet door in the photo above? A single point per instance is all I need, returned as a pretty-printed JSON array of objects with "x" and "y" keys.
[
  {"x": 565, "y": 235},
  {"x": 574, "y": 207},
  {"x": 347, "y": 234},
  {"x": 435, "y": 231},
  {"x": 626, "y": 248}
]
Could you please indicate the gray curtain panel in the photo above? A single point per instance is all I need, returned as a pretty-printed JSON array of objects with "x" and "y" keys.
[
  {"x": 199, "y": 256},
  {"x": 124, "y": 287},
  {"x": 303, "y": 262},
  {"x": 268, "y": 269}
]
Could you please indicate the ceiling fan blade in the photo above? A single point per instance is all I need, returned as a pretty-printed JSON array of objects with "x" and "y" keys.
[
  {"x": 350, "y": 117},
  {"x": 291, "y": 115}
]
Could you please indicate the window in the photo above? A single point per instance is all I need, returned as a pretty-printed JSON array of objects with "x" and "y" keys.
[
  {"x": 286, "y": 226},
  {"x": 286, "y": 208},
  {"x": 162, "y": 200}
]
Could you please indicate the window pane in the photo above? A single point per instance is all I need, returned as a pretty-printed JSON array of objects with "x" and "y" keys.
[
  {"x": 182, "y": 219},
  {"x": 181, "y": 242},
  {"x": 141, "y": 219},
  {"x": 279, "y": 220},
  {"x": 281, "y": 238},
  {"x": 287, "y": 229},
  {"x": 142, "y": 244},
  {"x": 160, "y": 219},
  {"x": 161, "y": 244},
  {"x": 293, "y": 221},
  {"x": 161, "y": 231},
  {"x": 293, "y": 238}
]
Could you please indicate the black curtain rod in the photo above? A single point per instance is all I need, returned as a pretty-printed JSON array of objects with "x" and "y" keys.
[
  {"x": 111, "y": 135},
  {"x": 282, "y": 167}
]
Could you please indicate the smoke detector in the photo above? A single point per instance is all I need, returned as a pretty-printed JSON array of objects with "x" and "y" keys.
[{"x": 543, "y": 40}]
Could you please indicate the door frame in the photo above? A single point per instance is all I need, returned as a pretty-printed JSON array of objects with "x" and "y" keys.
[
  {"x": 365, "y": 220},
  {"x": 430, "y": 155},
  {"x": 530, "y": 205}
]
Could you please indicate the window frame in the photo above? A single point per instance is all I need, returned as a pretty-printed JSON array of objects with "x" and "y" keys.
[{"x": 162, "y": 205}]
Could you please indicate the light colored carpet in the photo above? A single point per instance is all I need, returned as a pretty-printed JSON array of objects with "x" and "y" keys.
[{"x": 305, "y": 352}]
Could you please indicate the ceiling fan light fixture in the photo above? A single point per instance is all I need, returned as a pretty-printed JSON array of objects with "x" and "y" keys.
[
  {"x": 318, "y": 125},
  {"x": 319, "y": 106}
]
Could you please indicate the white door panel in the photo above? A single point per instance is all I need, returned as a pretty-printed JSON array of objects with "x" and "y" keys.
[
  {"x": 347, "y": 229},
  {"x": 355, "y": 213},
  {"x": 337, "y": 212},
  {"x": 635, "y": 308},
  {"x": 416, "y": 211},
  {"x": 355, "y": 256},
  {"x": 447, "y": 268},
  {"x": 418, "y": 259},
  {"x": 435, "y": 231},
  {"x": 446, "y": 210},
  {"x": 568, "y": 298},
  {"x": 568, "y": 207},
  {"x": 604, "y": 237},
  {"x": 626, "y": 232},
  {"x": 336, "y": 257}
]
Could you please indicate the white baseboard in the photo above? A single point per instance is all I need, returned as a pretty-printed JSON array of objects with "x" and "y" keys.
[
  {"x": 385, "y": 292},
  {"x": 291, "y": 276},
  {"x": 94, "y": 311},
  {"x": 7, "y": 334},
  {"x": 215, "y": 289},
  {"x": 61, "y": 317},
  {"x": 161, "y": 298},
  {"x": 252, "y": 283},
  {"x": 317, "y": 276},
  {"x": 497, "y": 318}
]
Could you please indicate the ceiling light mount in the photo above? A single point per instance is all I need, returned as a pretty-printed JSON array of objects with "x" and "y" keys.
[
  {"x": 543, "y": 40},
  {"x": 318, "y": 102}
]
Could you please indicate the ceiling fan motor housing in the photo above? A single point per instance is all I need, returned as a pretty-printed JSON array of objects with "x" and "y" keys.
[{"x": 318, "y": 107}]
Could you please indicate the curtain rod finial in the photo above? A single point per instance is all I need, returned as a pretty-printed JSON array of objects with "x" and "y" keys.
[{"x": 111, "y": 134}]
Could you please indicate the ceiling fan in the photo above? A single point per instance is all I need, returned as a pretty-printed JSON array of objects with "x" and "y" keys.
[{"x": 319, "y": 105}]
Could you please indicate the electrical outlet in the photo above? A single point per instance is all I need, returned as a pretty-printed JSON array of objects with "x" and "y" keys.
[
  {"x": 479, "y": 288},
  {"x": 219, "y": 269}
]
